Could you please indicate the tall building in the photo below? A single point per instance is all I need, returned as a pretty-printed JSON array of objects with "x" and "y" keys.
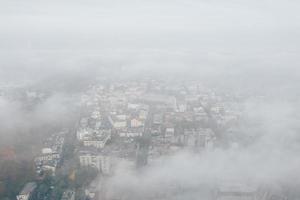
[{"x": 142, "y": 150}]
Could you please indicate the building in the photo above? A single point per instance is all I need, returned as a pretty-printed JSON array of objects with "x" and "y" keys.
[
  {"x": 48, "y": 157},
  {"x": 82, "y": 133},
  {"x": 87, "y": 158},
  {"x": 97, "y": 139},
  {"x": 94, "y": 143},
  {"x": 135, "y": 122},
  {"x": 196, "y": 138},
  {"x": 118, "y": 121},
  {"x": 27, "y": 191},
  {"x": 98, "y": 161},
  {"x": 169, "y": 134}
]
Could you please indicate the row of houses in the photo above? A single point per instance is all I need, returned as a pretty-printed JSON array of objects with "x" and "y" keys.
[{"x": 51, "y": 154}]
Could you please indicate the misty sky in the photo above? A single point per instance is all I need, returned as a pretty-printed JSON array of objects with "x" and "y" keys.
[{"x": 216, "y": 38}]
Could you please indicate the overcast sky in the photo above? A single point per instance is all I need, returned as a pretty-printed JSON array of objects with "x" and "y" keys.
[{"x": 257, "y": 37}]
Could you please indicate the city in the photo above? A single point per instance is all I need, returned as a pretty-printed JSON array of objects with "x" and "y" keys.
[
  {"x": 135, "y": 126},
  {"x": 149, "y": 100}
]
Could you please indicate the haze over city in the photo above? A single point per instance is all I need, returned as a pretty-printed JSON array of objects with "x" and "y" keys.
[{"x": 117, "y": 100}]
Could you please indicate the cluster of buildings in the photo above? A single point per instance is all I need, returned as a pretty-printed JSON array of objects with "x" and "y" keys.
[
  {"x": 138, "y": 122},
  {"x": 93, "y": 133},
  {"x": 51, "y": 154},
  {"x": 46, "y": 163}
]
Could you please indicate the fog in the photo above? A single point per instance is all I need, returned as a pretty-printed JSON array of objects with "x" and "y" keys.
[
  {"x": 252, "y": 47},
  {"x": 23, "y": 124},
  {"x": 270, "y": 160},
  {"x": 229, "y": 38}
]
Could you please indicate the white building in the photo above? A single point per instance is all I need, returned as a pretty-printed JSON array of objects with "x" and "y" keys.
[
  {"x": 118, "y": 121},
  {"x": 98, "y": 161},
  {"x": 94, "y": 143},
  {"x": 47, "y": 157},
  {"x": 201, "y": 138},
  {"x": 46, "y": 150},
  {"x": 90, "y": 159},
  {"x": 82, "y": 133}
]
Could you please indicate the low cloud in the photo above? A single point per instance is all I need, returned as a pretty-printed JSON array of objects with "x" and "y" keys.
[{"x": 271, "y": 159}]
